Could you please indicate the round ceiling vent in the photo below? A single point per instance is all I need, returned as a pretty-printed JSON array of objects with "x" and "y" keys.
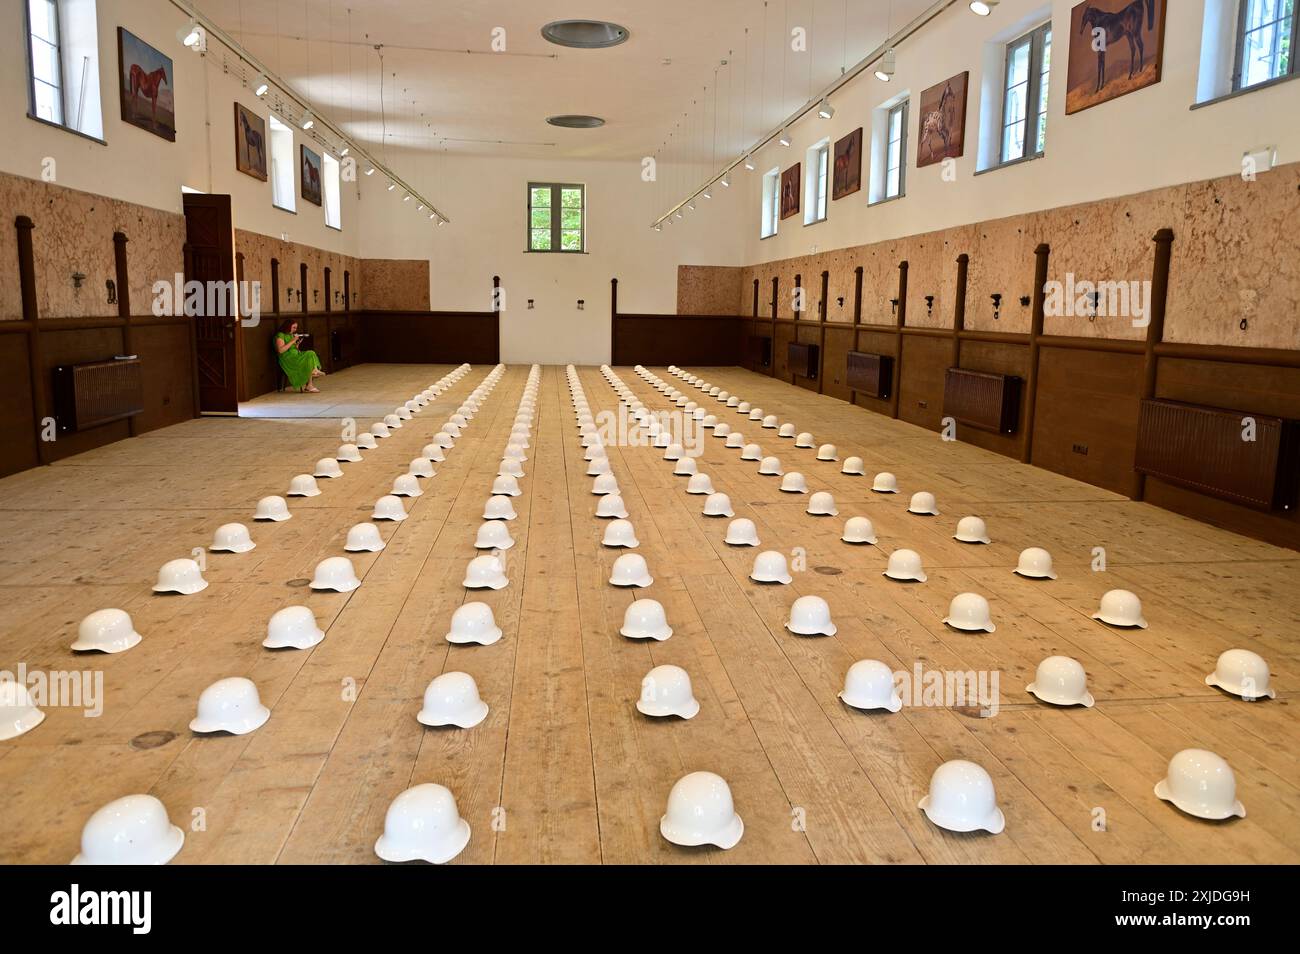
[
  {"x": 584, "y": 34},
  {"x": 576, "y": 122}
]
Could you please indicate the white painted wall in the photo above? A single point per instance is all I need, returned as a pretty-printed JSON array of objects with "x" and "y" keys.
[
  {"x": 1146, "y": 140},
  {"x": 136, "y": 166},
  {"x": 486, "y": 199}
]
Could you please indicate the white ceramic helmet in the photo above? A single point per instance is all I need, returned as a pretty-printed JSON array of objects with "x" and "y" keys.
[
  {"x": 686, "y": 467},
  {"x": 515, "y": 452},
  {"x": 389, "y": 508},
  {"x": 804, "y": 439},
  {"x": 511, "y": 467},
  {"x": 961, "y": 798},
  {"x": 133, "y": 830},
  {"x": 1240, "y": 672},
  {"x": 452, "y": 429},
  {"x": 787, "y": 431},
  {"x": 474, "y": 622},
  {"x": 459, "y": 419},
  {"x": 1036, "y": 564},
  {"x": 709, "y": 421},
  {"x": 611, "y": 506},
  {"x": 335, "y": 573},
  {"x": 595, "y": 451},
  {"x": 604, "y": 484},
  {"x": 485, "y": 573},
  {"x": 407, "y": 485},
  {"x": 328, "y": 467},
  {"x": 392, "y": 421},
  {"x": 971, "y": 530},
  {"x": 923, "y": 504},
  {"x": 493, "y": 535},
  {"x": 1061, "y": 681},
  {"x": 743, "y": 408},
  {"x": 853, "y": 466},
  {"x": 18, "y": 713},
  {"x": 379, "y": 429},
  {"x": 499, "y": 508},
  {"x": 293, "y": 627},
  {"x": 598, "y": 466},
  {"x": 885, "y": 483},
  {"x": 453, "y": 699},
  {"x": 718, "y": 505},
  {"x": 769, "y": 421},
  {"x": 230, "y": 705},
  {"x": 666, "y": 691},
  {"x": 690, "y": 407},
  {"x": 674, "y": 452},
  {"x": 231, "y": 538},
  {"x": 794, "y": 483},
  {"x": 620, "y": 533},
  {"x": 421, "y": 467},
  {"x": 699, "y": 484},
  {"x": 348, "y": 454},
  {"x": 505, "y": 487},
  {"x": 1120, "y": 608},
  {"x": 827, "y": 451},
  {"x": 905, "y": 565},
  {"x": 770, "y": 566},
  {"x": 751, "y": 452},
  {"x": 662, "y": 440},
  {"x": 858, "y": 530},
  {"x": 722, "y": 430},
  {"x": 742, "y": 533},
  {"x": 364, "y": 538},
  {"x": 106, "y": 631},
  {"x": 444, "y": 440},
  {"x": 701, "y": 812},
  {"x": 822, "y": 504},
  {"x": 970, "y": 612},
  {"x": 180, "y": 576},
  {"x": 366, "y": 441},
  {"x": 423, "y": 824},
  {"x": 272, "y": 508},
  {"x": 433, "y": 452},
  {"x": 811, "y": 616},
  {"x": 869, "y": 684},
  {"x": 735, "y": 439},
  {"x": 770, "y": 467},
  {"x": 645, "y": 619},
  {"x": 630, "y": 569},
  {"x": 733, "y": 401},
  {"x": 1201, "y": 784}
]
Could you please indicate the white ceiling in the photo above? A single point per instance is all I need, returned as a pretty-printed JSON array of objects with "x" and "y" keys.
[{"x": 444, "y": 88}]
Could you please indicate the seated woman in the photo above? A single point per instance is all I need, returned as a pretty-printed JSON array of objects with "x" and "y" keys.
[{"x": 298, "y": 366}]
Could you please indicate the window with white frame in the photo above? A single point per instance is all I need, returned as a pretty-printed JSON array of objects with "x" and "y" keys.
[
  {"x": 896, "y": 151},
  {"x": 556, "y": 217},
  {"x": 1024, "y": 95},
  {"x": 1267, "y": 32},
  {"x": 818, "y": 182},
  {"x": 771, "y": 202},
  {"x": 332, "y": 194},
  {"x": 284, "y": 169},
  {"x": 63, "y": 65}
]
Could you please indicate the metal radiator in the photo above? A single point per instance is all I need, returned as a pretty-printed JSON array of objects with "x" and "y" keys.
[
  {"x": 804, "y": 359},
  {"x": 870, "y": 374},
  {"x": 989, "y": 402},
  {"x": 88, "y": 395},
  {"x": 1206, "y": 449}
]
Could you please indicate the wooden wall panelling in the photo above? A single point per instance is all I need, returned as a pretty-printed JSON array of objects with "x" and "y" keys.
[
  {"x": 920, "y": 370},
  {"x": 164, "y": 348},
  {"x": 19, "y": 425},
  {"x": 877, "y": 342},
  {"x": 783, "y": 335},
  {"x": 422, "y": 337},
  {"x": 837, "y": 343},
  {"x": 74, "y": 341},
  {"x": 701, "y": 340},
  {"x": 1010, "y": 358}
]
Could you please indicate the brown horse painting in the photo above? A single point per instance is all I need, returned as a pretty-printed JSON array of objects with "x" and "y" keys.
[
  {"x": 1125, "y": 24},
  {"x": 938, "y": 122},
  {"x": 148, "y": 85},
  {"x": 253, "y": 142}
]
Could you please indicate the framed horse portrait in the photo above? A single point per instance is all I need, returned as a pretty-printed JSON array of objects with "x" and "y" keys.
[
  {"x": 943, "y": 121},
  {"x": 848, "y": 165},
  {"x": 790, "y": 188},
  {"x": 147, "y": 86},
  {"x": 250, "y": 142},
  {"x": 1116, "y": 48},
  {"x": 310, "y": 163}
]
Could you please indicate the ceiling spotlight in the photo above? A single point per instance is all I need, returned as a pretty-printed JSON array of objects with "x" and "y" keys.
[
  {"x": 421, "y": 208},
  {"x": 825, "y": 110},
  {"x": 885, "y": 71},
  {"x": 370, "y": 170},
  {"x": 442, "y": 221},
  {"x": 689, "y": 205},
  {"x": 783, "y": 139},
  {"x": 260, "y": 86},
  {"x": 193, "y": 36},
  {"x": 392, "y": 186},
  {"x": 344, "y": 151},
  {"x": 679, "y": 213},
  {"x": 749, "y": 163},
  {"x": 982, "y": 8},
  {"x": 726, "y": 183},
  {"x": 659, "y": 226},
  {"x": 407, "y": 197},
  {"x": 707, "y": 194},
  {"x": 432, "y": 215},
  {"x": 308, "y": 120}
]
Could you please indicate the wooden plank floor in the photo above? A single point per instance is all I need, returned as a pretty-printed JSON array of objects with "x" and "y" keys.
[{"x": 564, "y": 769}]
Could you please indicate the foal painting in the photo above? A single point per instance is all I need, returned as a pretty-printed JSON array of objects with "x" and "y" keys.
[
  {"x": 1116, "y": 47},
  {"x": 146, "y": 84},
  {"x": 943, "y": 121}
]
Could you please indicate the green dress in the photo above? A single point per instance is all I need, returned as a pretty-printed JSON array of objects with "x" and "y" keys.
[{"x": 297, "y": 365}]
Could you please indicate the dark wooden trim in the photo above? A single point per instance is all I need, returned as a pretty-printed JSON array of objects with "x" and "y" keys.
[
  {"x": 959, "y": 307},
  {"x": 1164, "y": 240},
  {"x": 1112, "y": 345},
  {"x": 187, "y": 254},
  {"x": 755, "y": 297},
  {"x": 1228, "y": 353},
  {"x": 329, "y": 305},
  {"x": 776, "y": 299},
  {"x": 1041, "y": 256},
  {"x": 304, "y": 304},
  {"x": 347, "y": 290},
  {"x": 821, "y": 338},
  {"x": 275, "y": 286},
  {"x": 900, "y": 325},
  {"x": 31, "y": 312},
  {"x": 613, "y": 317}
]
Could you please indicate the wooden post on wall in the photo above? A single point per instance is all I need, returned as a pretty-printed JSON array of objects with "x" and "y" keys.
[
  {"x": 900, "y": 322},
  {"x": 328, "y": 290},
  {"x": 121, "y": 281},
  {"x": 275, "y": 286},
  {"x": 798, "y": 298},
  {"x": 776, "y": 286},
  {"x": 347, "y": 290},
  {"x": 613, "y": 321},
  {"x": 857, "y": 320},
  {"x": 755, "y": 297},
  {"x": 1164, "y": 240},
  {"x": 959, "y": 308},
  {"x": 824, "y": 308},
  {"x": 187, "y": 255},
  {"x": 302, "y": 286},
  {"x": 1041, "y": 255},
  {"x": 27, "y": 289}
]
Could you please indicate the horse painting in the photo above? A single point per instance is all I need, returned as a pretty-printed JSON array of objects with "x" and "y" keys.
[
  {"x": 848, "y": 165},
  {"x": 1103, "y": 31},
  {"x": 250, "y": 143},
  {"x": 943, "y": 121},
  {"x": 311, "y": 176},
  {"x": 147, "y": 86}
]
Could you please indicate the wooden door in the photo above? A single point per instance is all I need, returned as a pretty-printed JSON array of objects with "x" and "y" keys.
[{"x": 209, "y": 234}]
